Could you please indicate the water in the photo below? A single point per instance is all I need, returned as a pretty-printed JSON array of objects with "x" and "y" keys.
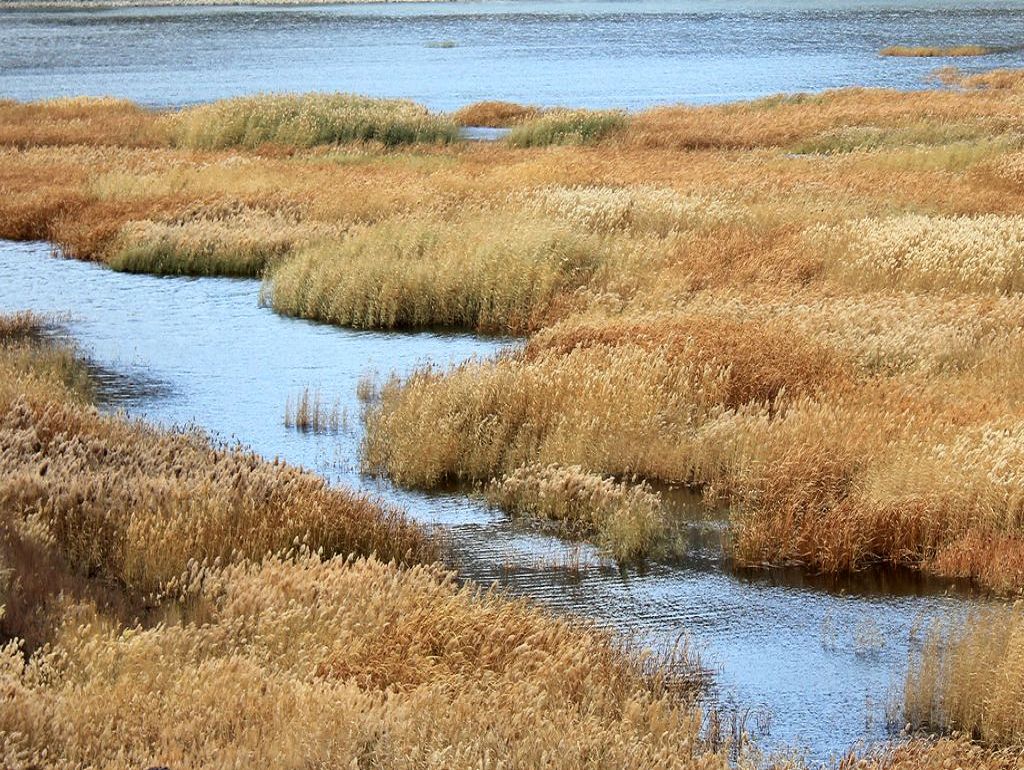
[
  {"x": 815, "y": 662},
  {"x": 583, "y": 53}
]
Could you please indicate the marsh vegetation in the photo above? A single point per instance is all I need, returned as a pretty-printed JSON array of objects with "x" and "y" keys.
[
  {"x": 808, "y": 308},
  {"x": 928, "y": 51},
  {"x": 137, "y": 561}
]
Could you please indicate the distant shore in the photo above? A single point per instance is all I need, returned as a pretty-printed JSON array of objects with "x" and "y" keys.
[{"x": 102, "y": 4}]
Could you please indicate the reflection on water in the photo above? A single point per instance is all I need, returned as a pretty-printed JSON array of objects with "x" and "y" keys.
[
  {"x": 591, "y": 53},
  {"x": 816, "y": 661}
]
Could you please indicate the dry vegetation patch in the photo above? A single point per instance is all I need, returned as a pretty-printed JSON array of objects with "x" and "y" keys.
[
  {"x": 806, "y": 304},
  {"x": 166, "y": 601},
  {"x": 969, "y": 677},
  {"x": 935, "y": 51},
  {"x": 306, "y": 120},
  {"x": 494, "y": 114}
]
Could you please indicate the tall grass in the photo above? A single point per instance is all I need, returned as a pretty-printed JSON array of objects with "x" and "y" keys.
[
  {"x": 308, "y": 413},
  {"x": 566, "y": 127},
  {"x": 85, "y": 120},
  {"x": 494, "y": 114},
  {"x": 983, "y": 253},
  {"x": 168, "y": 601},
  {"x": 821, "y": 466},
  {"x": 307, "y": 120},
  {"x": 969, "y": 678},
  {"x": 817, "y": 339},
  {"x": 305, "y": 661},
  {"x": 485, "y": 272},
  {"x": 627, "y": 519},
  {"x": 231, "y": 241}
]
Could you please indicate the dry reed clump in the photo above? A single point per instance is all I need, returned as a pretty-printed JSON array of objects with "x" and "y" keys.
[
  {"x": 626, "y": 519},
  {"x": 567, "y": 127},
  {"x": 968, "y": 677},
  {"x": 937, "y": 51},
  {"x": 23, "y": 325},
  {"x": 31, "y": 364},
  {"x": 135, "y": 505},
  {"x": 308, "y": 413},
  {"x": 234, "y": 241},
  {"x": 623, "y": 400},
  {"x": 490, "y": 273},
  {"x": 80, "y": 120},
  {"x": 307, "y": 120},
  {"x": 657, "y": 210},
  {"x": 494, "y": 114},
  {"x": 1006, "y": 80},
  {"x": 916, "y": 135},
  {"x": 785, "y": 121},
  {"x": 916, "y": 251},
  {"x": 305, "y": 661}
]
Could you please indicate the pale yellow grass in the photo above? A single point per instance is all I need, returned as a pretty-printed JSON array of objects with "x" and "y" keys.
[
  {"x": 628, "y": 520},
  {"x": 303, "y": 661},
  {"x": 969, "y": 677}
]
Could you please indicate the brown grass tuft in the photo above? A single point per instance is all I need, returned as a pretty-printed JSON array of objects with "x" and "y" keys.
[
  {"x": 494, "y": 114},
  {"x": 937, "y": 51}
]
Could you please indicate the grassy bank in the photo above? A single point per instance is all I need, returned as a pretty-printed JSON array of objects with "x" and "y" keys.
[
  {"x": 807, "y": 306},
  {"x": 167, "y": 601}
]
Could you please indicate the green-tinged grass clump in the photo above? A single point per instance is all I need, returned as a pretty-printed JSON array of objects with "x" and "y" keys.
[
  {"x": 31, "y": 365},
  {"x": 567, "y": 127},
  {"x": 626, "y": 519},
  {"x": 490, "y": 273},
  {"x": 307, "y": 120},
  {"x": 233, "y": 242}
]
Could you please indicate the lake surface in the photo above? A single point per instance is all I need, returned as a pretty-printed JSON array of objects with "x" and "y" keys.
[
  {"x": 812, "y": 665},
  {"x": 590, "y": 54}
]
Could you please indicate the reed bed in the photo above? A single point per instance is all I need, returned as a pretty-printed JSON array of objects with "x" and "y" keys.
[
  {"x": 494, "y": 114},
  {"x": 824, "y": 461},
  {"x": 78, "y": 120},
  {"x": 830, "y": 342},
  {"x": 808, "y": 306},
  {"x": 376, "y": 666},
  {"x": 640, "y": 209},
  {"x": 308, "y": 413},
  {"x": 231, "y": 241},
  {"x": 307, "y": 120},
  {"x": 169, "y": 602},
  {"x": 566, "y": 127},
  {"x": 784, "y": 121},
  {"x": 483, "y": 272},
  {"x": 916, "y": 251},
  {"x": 628, "y": 520},
  {"x": 133, "y": 505},
  {"x": 928, "y": 51},
  {"x": 969, "y": 677}
]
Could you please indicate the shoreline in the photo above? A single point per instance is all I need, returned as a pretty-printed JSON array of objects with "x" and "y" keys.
[{"x": 106, "y": 5}]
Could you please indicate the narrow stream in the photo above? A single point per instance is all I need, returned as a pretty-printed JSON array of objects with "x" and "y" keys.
[{"x": 812, "y": 664}]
